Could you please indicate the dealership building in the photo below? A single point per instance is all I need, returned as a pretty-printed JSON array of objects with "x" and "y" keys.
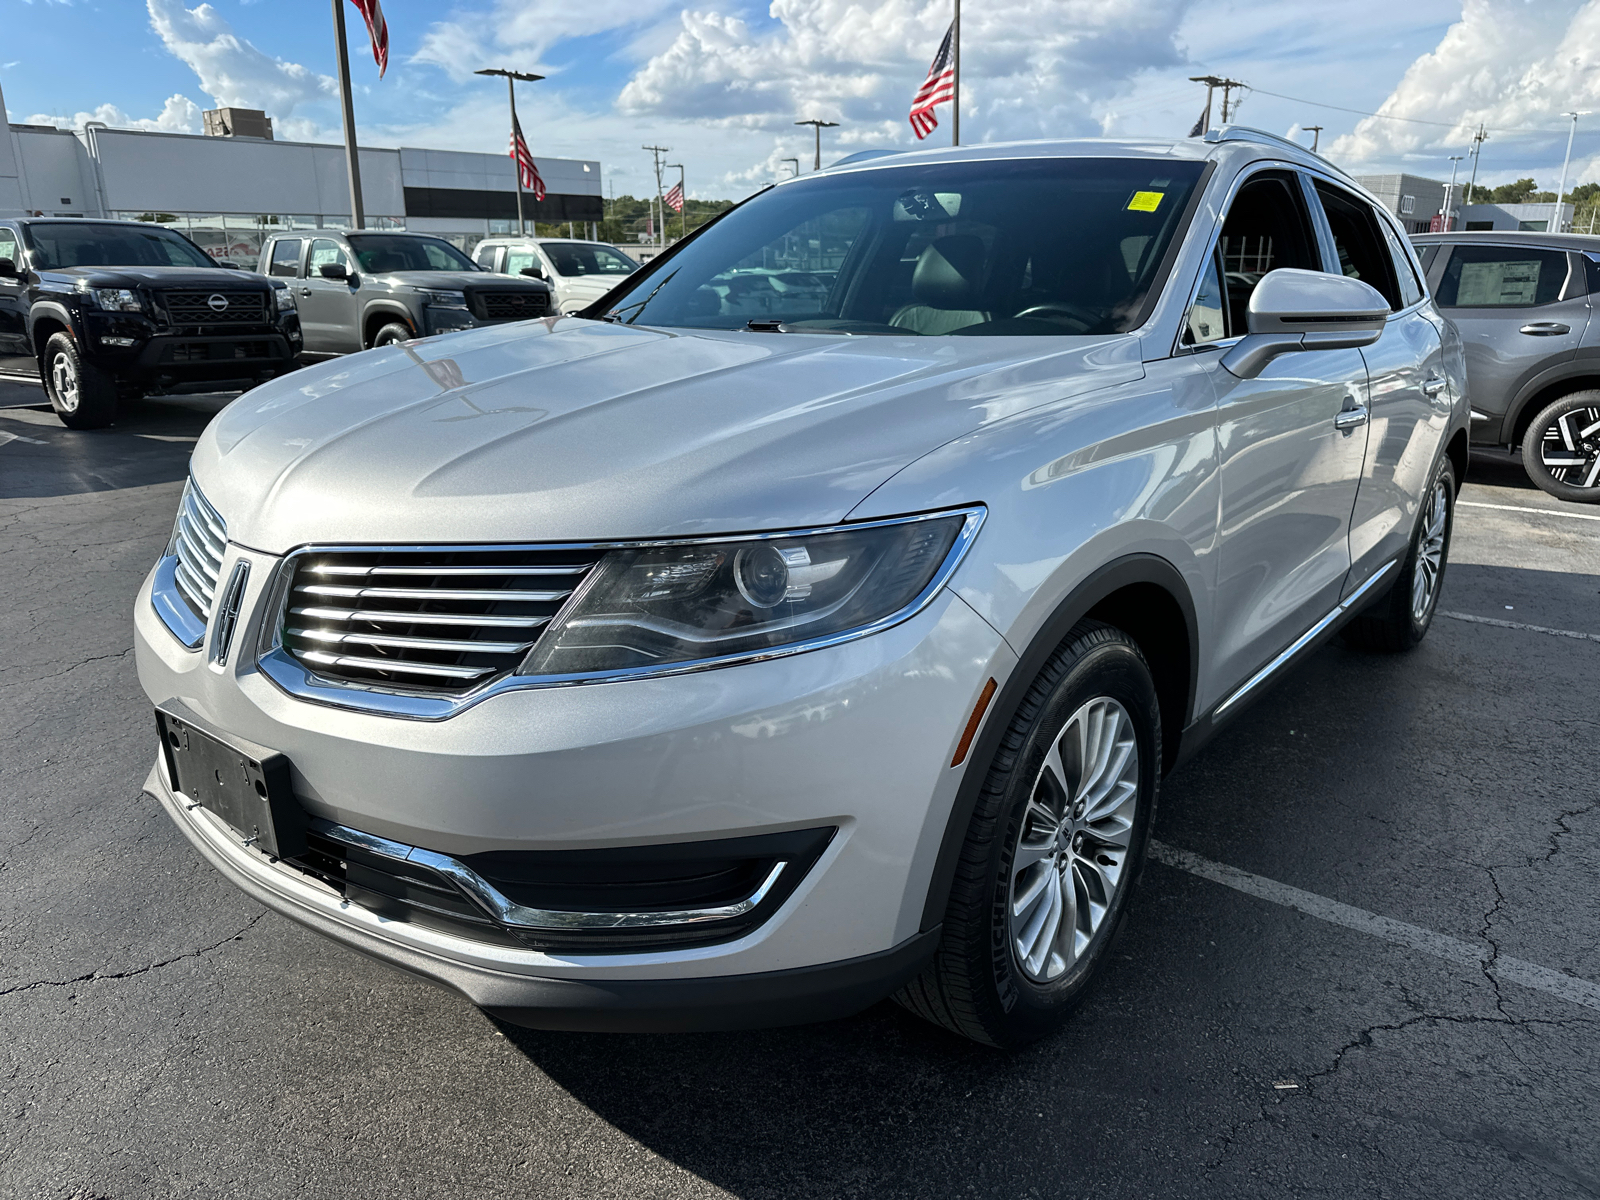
[{"x": 228, "y": 192}]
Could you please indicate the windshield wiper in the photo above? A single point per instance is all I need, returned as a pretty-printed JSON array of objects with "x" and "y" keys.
[
  {"x": 616, "y": 313},
  {"x": 765, "y": 325}
]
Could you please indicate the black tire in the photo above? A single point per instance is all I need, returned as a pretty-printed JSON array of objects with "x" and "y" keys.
[
  {"x": 83, "y": 396},
  {"x": 978, "y": 984},
  {"x": 1401, "y": 618},
  {"x": 1556, "y": 453},
  {"x": 392, "y": 334}
]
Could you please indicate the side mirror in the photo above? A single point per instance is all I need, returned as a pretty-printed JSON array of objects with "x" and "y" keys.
[
  {"x": 531, "y": 272},
  {"x": 334, "y": 271},
  {"x": 8, "y": 269},
  {"x": 1294, "y": 310},
  {"x": 232, "y": 266}
]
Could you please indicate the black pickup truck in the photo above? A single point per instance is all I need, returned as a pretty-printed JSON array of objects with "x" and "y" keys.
[{"x": 107, "y": 311}]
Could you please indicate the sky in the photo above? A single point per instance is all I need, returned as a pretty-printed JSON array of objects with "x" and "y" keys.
[{"x": 722, "y": 81}]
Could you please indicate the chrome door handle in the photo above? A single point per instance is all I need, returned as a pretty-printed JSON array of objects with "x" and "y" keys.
[
  {"x": 1545, "y": 328},
  {"x": 1433, "y": 386},
  {"x": 1351, "y": 418}
]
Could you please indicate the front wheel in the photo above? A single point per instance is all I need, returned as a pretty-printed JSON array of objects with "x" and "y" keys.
[
  {"x": 1561, "y": 450},
  {"x": 1399, "y": 620},
  {"x": 1055, "y": 844},
  {"x": 392, "y": 334},
  {"x": 82, "y": 395}
]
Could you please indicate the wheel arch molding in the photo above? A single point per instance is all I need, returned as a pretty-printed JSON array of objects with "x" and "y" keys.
[
  {"x": 51, "y": 314},
  {"x": 1544, "y": 390},
  {"x": 385, "y": 312},
  {"x": 1146, "y": 597}
]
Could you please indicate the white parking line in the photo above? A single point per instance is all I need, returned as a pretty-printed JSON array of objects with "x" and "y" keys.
[
  {"x": 1543, "y": 512},
  {"x": 1566, "y": 633},
  {"x": 1412, "y": 937},
  {"x": 17, "y": 437}
]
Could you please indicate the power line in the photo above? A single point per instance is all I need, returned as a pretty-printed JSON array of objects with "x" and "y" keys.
[{"x": 1360, "y": 112}]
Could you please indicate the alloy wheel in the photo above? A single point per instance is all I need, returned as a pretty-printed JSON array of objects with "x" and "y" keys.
[
  {"x": 1071, "y": 855},
  {"x": 1570, "y": 448},
  {"x": 1430, "y": 552},
  {"x": 64, "y": 381}
]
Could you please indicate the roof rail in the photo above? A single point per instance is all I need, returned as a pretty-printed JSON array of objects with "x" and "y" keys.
[
  {"x": 863, "y": 156},
  {"x": 1245, "y": 133}
]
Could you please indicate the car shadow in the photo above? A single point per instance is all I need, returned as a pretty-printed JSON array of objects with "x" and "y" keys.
[{"x": 149, "y": 444}]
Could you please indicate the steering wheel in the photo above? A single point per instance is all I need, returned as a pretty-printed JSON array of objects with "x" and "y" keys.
[{"x": 1072, "y": 312}]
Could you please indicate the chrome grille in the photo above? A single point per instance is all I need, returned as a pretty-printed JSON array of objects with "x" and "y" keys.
[
  {"x": 505, "y": 304},
  {"x": 424, "y": 620},
  {"x": 198, "y": 540},
  {"x": 196, "y": 308}
]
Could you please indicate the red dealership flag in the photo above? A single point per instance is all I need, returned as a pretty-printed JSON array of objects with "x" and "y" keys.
[
  {"x": 939, "y": 87},
  {"x": 377, "y": 30},
  {"x": 674, "y": 198},
  {"x": 526, "y": 171}
]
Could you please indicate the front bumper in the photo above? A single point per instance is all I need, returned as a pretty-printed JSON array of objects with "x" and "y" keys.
[{"x": 858, "y": 737}]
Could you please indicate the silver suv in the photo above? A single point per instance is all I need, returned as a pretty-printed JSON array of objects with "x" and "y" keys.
[
  {"x": 690, "y": 669},
  {"x": 357, "y": 290},
  {"x": 1524, "y": 303}
]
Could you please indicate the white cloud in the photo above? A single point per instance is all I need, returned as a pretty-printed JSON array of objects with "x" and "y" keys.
[
  {"x": 527, "y": 29},
  {"x": 179, "y": 115},
  {"x": 231, "y": 70}
]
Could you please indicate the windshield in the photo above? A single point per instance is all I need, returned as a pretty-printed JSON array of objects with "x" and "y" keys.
[
  {"x": 380, "y": 253},
  {"x": 1032, "y": 246},
  {"x": 585, "y": 258},
  {"x": 84, "y": 244}
]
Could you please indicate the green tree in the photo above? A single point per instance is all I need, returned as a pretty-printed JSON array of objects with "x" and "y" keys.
[{"x": 1520, "y": 192}]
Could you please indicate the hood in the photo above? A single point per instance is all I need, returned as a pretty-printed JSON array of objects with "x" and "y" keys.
[
  {"x": 454, "y": 279},
  {"x": 569, "y": 430},
  {"x": 160, "y": 277}
]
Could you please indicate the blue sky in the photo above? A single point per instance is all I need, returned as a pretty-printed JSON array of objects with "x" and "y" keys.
[{"x": 722, "y": 80}]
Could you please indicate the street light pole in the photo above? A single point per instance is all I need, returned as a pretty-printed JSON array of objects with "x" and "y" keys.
[
  {"x": 660, "y": 208},
  {"x": 820, "y": 126},
  {"x": 1478, "y": 139},
  {"x": 1449, "y": 192},
  {"x": 352, "y": 165},
  {"x": 516, "y": 163},
  {"x": 1565, "y": 163}
]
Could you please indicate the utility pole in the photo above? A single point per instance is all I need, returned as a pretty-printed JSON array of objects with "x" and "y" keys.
[
  {"x": 1478, "y": 139},
  {"x": 1213, "y": 82},
  {"x": 358, "y": 216},
  {"x": 1316, "y": 135},
  {"x": 955, "y": 91},
  {"x": 1565, "y": 163},
  {"x": 659, "y": 209},
  {"x": 516, "y": 167},
  {"x": 683, "y": 213},
  {"x": 820, "y": 126},
  {"x": 1449, "y": 193},
  {"x": 796, "y": 163}
]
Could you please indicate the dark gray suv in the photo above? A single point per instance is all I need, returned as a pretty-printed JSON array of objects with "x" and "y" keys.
[
  {"x": 362, "y": 289},
  {"x": 1524, "y": 304}
]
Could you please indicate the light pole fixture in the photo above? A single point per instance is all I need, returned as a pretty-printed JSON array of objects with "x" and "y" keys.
[
  {"x": 1316, "y": 135},
  {"x": 819, "y": 126},
  {"x": 1565, "y": 163},
  {"x": 1449, "y": 194},
  {"x": 511, "y": 78},
  {"x": 795, "y": 161}
]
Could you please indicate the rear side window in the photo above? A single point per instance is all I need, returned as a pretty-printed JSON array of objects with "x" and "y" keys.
[
  {"x": 1410, "y": 286},
  {"x": 1357, "y": 237},
  {"x": 285, "y": 258},
  {"x": 1502, "y": 277},
  {"x": 485, "y": 257}
]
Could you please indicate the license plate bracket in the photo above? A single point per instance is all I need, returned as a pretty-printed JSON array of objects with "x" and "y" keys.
[{"x": 244, "y": 784}]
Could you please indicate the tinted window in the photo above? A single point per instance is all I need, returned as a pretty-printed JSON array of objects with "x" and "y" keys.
[
  {"x": 1427, "y": 254},
  {"x": 485, "y": 257},
  {"x": 8, "y": 247},
  {"x": 384, "y": 252},
  {"x": 581, "y": 258},
  {"x": 1267, "y": 228},
  {"x": 1502, "y": 277},
  {"x": 1362, "y": 252},
  {"x": 1410, "y": 286},
  {"x": 86, "y": 244},
  {"x": 1032, "y": 246},
  {"x": 323, "y": 253},
  {"x": 286, "y": 258}
]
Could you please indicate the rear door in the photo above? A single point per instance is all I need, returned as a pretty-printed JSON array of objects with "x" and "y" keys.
[
  {"x": 1408, "y": 402},
  {"x": 1521, "y": 309}
]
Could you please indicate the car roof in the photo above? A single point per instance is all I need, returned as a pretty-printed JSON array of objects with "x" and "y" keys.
[{"x": 1554, "y": 241}]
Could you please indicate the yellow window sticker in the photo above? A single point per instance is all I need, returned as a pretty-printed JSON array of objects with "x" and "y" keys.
[{"x": 1145, "y": 201}]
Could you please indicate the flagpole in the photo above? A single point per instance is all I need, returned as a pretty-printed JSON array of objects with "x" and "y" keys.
[
  {"x": 955, "y": 99},
  {"x": 511, "y": 90},
  {"x": 358, "y": 217}
]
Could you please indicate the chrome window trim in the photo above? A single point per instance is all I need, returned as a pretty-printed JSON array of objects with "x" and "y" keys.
[{"x": 294, "y": 678}]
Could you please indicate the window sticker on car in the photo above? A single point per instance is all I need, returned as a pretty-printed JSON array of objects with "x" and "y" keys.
[
  {"x": 1487, "y": 284},
  {"x": 1146, "y": 201}
]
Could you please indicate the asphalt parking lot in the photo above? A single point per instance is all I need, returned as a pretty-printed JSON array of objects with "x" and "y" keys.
[{"x": 1366, "y": 964}]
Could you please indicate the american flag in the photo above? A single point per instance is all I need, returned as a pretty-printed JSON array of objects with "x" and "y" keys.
[
  {"x": 939, "y": 87},
  {"x": 528, "y": 173},
  {"x": 377, "y": 30},
  {"x": 674, "y": 198}
]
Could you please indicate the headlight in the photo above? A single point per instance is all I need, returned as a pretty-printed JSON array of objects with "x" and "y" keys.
[
  {"x": 117, "y": 299},
  {"x": 649, "y": 608},
  {"x": 442, "y": 299},
  {"x": 284, "y": 299}
]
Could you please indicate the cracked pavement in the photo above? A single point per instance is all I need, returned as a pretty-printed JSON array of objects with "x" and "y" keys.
[{"x": 166, "y": 1037}]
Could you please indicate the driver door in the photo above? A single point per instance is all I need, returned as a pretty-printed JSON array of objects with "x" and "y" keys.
[
  {"x": 1289, "y": 476},
  {"x": 15, "y": 355}
]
